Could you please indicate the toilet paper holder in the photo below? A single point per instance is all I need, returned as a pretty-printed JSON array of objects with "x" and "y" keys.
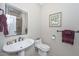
[{"x": 53, "y": 37}]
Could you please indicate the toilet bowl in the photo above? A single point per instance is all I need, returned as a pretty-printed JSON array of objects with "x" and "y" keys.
[{"x": 41, "y": 47}]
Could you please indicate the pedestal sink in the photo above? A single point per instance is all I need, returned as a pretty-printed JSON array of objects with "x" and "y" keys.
[{"x": 18, "y": 47}]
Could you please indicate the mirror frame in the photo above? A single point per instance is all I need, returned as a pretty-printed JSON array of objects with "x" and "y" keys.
[{"x": 26, "y": 30}]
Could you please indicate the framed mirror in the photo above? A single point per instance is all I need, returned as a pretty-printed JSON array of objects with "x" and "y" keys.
[{"x": 17, "y": 20}]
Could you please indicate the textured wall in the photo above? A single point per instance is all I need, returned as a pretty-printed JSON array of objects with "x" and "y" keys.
[{"x": 70, "y": 20}]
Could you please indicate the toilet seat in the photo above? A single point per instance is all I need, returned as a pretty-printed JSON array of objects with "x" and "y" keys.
[{"x": 43, "y": 47}]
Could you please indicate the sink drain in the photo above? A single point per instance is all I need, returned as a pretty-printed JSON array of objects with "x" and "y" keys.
[{"x": 20, "y": 47}]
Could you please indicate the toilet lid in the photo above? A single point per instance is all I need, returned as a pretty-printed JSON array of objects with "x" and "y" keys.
[{"x": 43, "y": 47}]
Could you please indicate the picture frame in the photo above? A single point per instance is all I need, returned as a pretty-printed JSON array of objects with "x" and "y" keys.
[{"x": 55, "y": 19}]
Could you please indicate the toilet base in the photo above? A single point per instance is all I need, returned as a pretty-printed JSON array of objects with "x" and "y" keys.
[{"x": 42, "y": 53}]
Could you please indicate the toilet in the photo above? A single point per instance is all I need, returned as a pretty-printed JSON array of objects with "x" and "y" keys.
[{"x": 42, "y": 49}]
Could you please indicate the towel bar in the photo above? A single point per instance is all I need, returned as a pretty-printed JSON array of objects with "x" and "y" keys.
[{"x": 62, "y": 30}]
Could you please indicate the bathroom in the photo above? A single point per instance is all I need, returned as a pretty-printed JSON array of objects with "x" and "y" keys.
[{"x": 38, "y": 27}]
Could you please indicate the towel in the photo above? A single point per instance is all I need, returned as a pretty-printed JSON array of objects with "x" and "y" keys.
[
  {"x": 68, "y": 36},
  {"x": 3, "y": 24},
  {"x": 1, "y": 27}
]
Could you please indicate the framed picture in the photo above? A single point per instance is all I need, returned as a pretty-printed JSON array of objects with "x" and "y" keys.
[{"x": 55, "y": 19}]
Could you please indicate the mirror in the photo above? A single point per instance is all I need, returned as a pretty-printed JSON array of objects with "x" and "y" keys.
[{"x": 17, "y": 20}]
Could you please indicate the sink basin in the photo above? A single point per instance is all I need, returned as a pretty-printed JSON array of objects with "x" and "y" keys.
[{"x": 18, "y": 46}]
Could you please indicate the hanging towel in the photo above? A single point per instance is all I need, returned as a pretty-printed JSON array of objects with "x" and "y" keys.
[
  {"x": 68, "y": 36},
  {"x": 3, "y": 24},
  {"x": 1, "y": 27}
]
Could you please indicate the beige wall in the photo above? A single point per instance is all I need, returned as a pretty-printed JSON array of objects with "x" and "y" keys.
[{"x": 70, "y": 20}]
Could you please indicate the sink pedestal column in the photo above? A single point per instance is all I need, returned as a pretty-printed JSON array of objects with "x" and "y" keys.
[{"x": 21, "y": 53}]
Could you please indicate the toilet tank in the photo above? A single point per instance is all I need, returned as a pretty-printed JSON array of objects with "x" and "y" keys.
[{"x": 38, "y": 41}]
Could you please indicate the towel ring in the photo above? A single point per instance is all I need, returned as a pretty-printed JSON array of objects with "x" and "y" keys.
[{"x": 2, "y": 10}]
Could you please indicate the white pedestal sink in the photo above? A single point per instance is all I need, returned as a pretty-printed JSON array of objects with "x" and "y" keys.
[{"x": 18, "y": 47}]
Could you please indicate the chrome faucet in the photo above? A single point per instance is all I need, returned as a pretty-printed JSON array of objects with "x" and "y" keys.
[{"x": 20, "y": 39}]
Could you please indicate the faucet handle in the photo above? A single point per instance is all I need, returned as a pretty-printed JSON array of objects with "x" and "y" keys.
[
  {"x": 9, "y": 42},
  {"x": 19, "y": 38},
  {"x": 15, "y": 40}
]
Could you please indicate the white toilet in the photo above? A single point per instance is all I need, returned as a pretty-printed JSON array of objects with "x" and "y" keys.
[{"x": 42, "y": 49}]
